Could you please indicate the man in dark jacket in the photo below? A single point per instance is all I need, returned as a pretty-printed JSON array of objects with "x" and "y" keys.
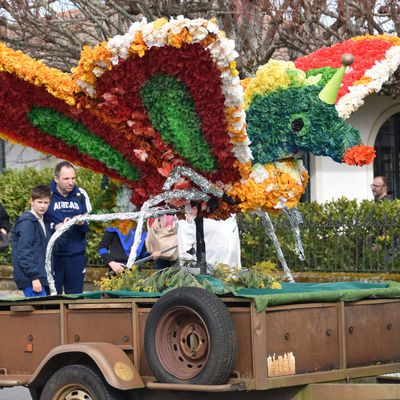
[
  {"x": 379, "y": 188},
  {"x": 69, "y": 255},
  {"x": 30, "y": 237}
]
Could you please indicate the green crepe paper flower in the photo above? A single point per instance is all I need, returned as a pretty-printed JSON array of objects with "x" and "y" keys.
[
  {"x": 75, "y": 134},
  {"x": 325, "y": 73},
  {"x": 173, "y": 114},
  {"x": 285, "y": 122},
  {"x": 293, "y": 75}
]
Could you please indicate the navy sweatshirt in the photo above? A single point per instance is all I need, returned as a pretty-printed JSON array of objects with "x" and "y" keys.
[
  {"x": 73, "y": 241},
  {"x": 29, "y": 250}
]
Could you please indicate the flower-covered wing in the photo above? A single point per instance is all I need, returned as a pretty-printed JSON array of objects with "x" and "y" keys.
[
  {"x": 165, "y": 94},
  {"x": 376, "y": 58},
  {"x": 171, "y": 90},
  {"x": 37, "y": 109}
]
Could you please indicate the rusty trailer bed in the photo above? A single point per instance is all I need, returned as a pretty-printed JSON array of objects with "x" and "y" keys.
[{"x": 324, "y": 342}]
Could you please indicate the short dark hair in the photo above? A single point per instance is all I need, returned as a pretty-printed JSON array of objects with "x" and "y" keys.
[
  {"x": 40, "y": 192},
  {"x": 384, "y": 179},
  {"x": 60, "y": 165}
]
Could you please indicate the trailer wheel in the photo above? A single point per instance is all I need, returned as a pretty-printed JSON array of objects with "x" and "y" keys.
[
  {"x": 190, "y": 337},
  {"x": 78, "y": 382}
]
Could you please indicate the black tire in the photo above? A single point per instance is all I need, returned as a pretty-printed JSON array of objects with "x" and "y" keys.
[
  {"x": 78, "y": 382},
  {"x": 190, "y": 337}
]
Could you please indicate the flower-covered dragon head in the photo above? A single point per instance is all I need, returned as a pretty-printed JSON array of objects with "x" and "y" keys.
[{"x": 286, "y": 116}]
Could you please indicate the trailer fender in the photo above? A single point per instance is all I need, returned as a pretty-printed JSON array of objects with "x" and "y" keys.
[{"x": 115, "y": 366}]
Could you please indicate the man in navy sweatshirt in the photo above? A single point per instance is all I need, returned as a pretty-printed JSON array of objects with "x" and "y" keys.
[{"x": 69, "y": 253}]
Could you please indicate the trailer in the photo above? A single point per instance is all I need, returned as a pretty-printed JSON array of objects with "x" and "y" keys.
[{"x": 192, "y": 342}]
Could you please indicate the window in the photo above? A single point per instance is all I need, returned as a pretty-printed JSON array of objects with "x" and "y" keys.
[{"x": 387, "y": 146}]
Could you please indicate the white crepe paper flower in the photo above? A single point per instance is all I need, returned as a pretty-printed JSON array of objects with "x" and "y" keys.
[{"x": 259, "y": 174}]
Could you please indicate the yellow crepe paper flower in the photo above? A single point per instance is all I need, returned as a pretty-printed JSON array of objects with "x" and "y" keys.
[
  {"x": 56, "y": 82},
  {"x": 237, "y": 135},
  {"x": 285, "y": 180},
  {"x": 232, "y": 67},
  {"x": 363, "y": 81},
  {"x": 245, "y": 82},
  {"x": 138, "y": 46},
  {"x": 178, "y": 39},
  {"x": 208, "y": 40},
  {"x": 271, "y": 76},
  {"x": 159, "y": 23},
  {"x": 395, "y": 40},
  {"x": 90, "y": 58}
]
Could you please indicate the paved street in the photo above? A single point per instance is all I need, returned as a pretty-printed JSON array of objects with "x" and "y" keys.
[{"x": 18, "y": 393}]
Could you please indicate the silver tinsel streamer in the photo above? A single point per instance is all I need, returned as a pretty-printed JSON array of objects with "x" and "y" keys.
[
  {"x": 188, "y": 195},
  {"x": 205, "y": 185},
  {"x": 295, "y": 219},
  {"x": 153, "y": 212},
  {"x": 123, "y": 200},
  {"x": 269, "y": 228}
]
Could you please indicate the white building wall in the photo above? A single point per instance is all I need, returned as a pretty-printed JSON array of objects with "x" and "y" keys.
[
  {"x": 330, "y": 180},
  {"x": 19, "y": 157}
]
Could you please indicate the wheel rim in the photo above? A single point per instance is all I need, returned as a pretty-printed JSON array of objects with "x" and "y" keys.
[
  {"x": 182, "y": 343},
  {"x": 73, "y": 392}
]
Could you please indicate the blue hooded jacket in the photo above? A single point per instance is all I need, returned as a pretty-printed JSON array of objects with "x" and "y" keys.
[
  {"x": 115, "y": 246},
  {"x": 73, "y": 241},
  {"x": 29, "y": 250}
]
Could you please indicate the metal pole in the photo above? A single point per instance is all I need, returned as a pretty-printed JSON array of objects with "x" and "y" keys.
[{"x": 200, "y": 245}]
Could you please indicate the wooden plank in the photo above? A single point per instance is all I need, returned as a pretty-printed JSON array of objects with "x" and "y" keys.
[
  {"x": 326, "y": 376},
  {"x": 98, "y": 306},
  {"x": 259, "y": 345},
  {"x": 342, "y": 336}
]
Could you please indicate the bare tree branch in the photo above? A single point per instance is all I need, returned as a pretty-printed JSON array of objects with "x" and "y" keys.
[{"x": 56, "y": 30}]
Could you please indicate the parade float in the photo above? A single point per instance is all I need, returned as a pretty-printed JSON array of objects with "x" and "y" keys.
[{"x": 161, "y": 110}]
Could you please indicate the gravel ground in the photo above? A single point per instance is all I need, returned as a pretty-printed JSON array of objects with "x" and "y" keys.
[
  {"x": 8, "y": 293},
  {"x": 17, "y": 393}
]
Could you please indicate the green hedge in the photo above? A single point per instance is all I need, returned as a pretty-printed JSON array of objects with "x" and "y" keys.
[{"x": 341, "y": 235}]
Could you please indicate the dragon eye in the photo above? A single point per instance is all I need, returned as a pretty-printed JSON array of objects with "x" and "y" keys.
[{"x": 297, "y": 125}]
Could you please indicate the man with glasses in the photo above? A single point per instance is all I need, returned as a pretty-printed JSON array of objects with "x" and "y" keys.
[{"x": 380, "y": 189}]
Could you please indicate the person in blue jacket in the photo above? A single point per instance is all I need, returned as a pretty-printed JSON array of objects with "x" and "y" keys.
[
  {"x": 115, "y": 246},
  {"x": 69, "y": 253},
  {"x": 31, "y": 234}
]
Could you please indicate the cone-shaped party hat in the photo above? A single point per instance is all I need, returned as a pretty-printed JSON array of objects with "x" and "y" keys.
[{"x": 329, "y": 93}]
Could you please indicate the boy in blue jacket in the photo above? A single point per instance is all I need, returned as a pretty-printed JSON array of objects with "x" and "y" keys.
[{"x": 31, "y": 234}]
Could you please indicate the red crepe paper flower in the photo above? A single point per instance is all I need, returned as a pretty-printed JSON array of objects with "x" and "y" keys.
[
  {"x": 365, "y": 51},
  {"x": 359, "y": 155}
]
